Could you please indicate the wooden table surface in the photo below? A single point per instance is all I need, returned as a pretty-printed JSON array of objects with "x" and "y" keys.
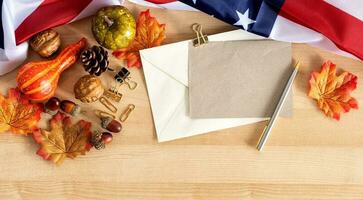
[{"x": 306, "y": 157}]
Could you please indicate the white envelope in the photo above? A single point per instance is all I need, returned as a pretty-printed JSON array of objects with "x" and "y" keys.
[{"x": 166, "y": 74}]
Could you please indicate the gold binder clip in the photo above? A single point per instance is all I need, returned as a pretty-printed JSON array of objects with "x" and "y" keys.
[
  {"x": 201, "y": 38},
  {"x": 123, "y": 77},
  {"x": 113, "y": 94},
  {"x": 127, "y": 112},
  {"x": 130, "y": 83},
  {"x": 108, "y": 104}
]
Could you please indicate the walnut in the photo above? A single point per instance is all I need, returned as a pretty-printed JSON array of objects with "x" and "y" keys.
[
  {"x": 88, "y": 89},
  {"x": 46, "y": 43}
]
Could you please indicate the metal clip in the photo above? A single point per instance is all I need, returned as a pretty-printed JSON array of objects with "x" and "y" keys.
[
  {"x": 108, "y": 104},
  {"x": 113, "y": 94},
  {"x": 201, "y": 38},
  {"x": 103, "y": 114},
  {"x": 131, "y": 84},
  {"x": 125, "y": 114},
  {"x": 123, "y": 77}
]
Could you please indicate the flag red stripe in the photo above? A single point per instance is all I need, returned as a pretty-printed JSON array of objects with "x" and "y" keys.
[
  {"x": 50, "y": 13},
  {"x": 340, "y": 27},
  {"x": 160, "y": 1}
]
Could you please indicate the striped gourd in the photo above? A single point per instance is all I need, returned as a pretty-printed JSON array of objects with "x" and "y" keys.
[{"x": 38, "y": 80}]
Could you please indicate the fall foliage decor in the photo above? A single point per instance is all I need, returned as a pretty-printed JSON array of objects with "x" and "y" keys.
[
  {"x": 17, "y": 114},
  {"x": 38, "y": 80},
  {"x": 149, "y": 33},
  {"x": 64, "y": 139},
  {"x": 332, "y": 92}
]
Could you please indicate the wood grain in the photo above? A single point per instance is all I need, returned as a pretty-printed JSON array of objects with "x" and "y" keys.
[
  {"x": 306, "y": 157},
  {"x": 176, "y": 191}
]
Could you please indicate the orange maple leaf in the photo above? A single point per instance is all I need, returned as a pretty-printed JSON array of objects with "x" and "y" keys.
[
  {"x": 64, "y": 139},
  {"x": 149, "y": 33},
  {"x": 332, "y": 92},
  {"x": 17, "y": 114}
]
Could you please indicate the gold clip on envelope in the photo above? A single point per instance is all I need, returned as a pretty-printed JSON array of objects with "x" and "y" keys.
[{"x": 166, "y": 74}]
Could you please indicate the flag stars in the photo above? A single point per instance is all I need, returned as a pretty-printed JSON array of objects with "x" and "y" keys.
[
  {"x": 244, "y": 19},
  {"x": 194, "y": 1}
]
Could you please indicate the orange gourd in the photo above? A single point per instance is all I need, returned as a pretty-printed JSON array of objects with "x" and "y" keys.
[{"x": 38, "y": 80}]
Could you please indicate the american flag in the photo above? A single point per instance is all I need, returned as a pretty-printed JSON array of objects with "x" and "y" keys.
[{"x": 334, "y": 25}]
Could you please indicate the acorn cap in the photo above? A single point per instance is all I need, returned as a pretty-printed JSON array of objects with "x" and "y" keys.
[
  {"x": 97, "y": 141},
  {"x": 105, "y": 121},
  {"x": 76, "y": 110}
]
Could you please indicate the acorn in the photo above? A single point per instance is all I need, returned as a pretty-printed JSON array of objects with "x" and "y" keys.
[
  {"x": 106, "y": 137},
  {"x": 111, "y": 125},
  {"x": 52, "y": 106},
  {"x": 97, "y": 141},
  {"x": 70, "y": 107}
]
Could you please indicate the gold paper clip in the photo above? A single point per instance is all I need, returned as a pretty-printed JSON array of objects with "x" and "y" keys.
[
  {"x": 108, "y": 104},
  {"x": 201, "y": 38},
  {"x": 125, "y": 114},
  {"x": 103, "y": 114},
  {"x": 113, "y": 94}
]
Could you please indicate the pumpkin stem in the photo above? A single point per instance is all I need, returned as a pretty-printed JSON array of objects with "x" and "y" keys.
[{"x": 108, "y": 21}]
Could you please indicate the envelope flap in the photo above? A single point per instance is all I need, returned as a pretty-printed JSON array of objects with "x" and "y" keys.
[{"x": 171, "y": 59}]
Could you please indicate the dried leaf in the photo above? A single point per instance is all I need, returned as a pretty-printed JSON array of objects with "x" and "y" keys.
[
  {"x": 149, "y": 33},
  {"x": 332, "y": 92},
  {"x": 64, "y": 139},
  {"x": 17, "y": 114}
]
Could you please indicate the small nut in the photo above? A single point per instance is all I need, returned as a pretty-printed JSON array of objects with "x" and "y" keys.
[
  {"x": 46, "y": 43},
  {"x": 88, "y": 89}
]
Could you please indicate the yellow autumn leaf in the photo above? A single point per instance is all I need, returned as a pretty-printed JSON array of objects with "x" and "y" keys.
[
  {"x": 64, "y": 139},
  {"x": 18, "y": 114}
]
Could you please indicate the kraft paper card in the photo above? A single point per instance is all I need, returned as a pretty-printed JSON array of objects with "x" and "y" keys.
[{"x": 235, "y": 79}]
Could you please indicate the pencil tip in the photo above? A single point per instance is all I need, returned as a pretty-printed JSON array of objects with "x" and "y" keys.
[{"x": 297, "y": 65}]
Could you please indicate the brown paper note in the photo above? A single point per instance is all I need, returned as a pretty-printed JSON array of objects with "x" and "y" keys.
[{"x": 238, "y": 79}]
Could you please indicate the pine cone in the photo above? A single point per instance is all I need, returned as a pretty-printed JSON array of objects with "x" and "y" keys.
[{"x": 95, "y": 60}]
